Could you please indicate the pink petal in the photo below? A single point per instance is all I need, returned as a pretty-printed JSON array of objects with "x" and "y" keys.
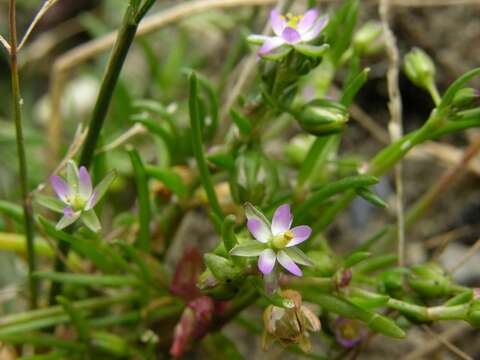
[
  {"x": 61, "y": 187},
  {"x": 259, "y": 230},
  {"x": 290, "y": 35},
  {"x": 300, "y": 234},
  {"x": 266, "y": 261},
  {"x": 282, "y": 220},
  {"x": 278, "y": 24},
  {"x": 84, "y": 183},
  {"x": 307, "y": 20},
  {"x": 316, "y": 29},
  {"x": 270, "y": 44},
  {"x": 288, "y": 263},
  {"x": 68, "y": 212}
]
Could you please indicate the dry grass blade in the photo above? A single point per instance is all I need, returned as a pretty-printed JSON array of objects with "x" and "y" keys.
[
  {"x": 447, "y": 344},
  {"x": 5, "y": 43},
  {"x": 43, "y": 10},
  {"x": 429, "y": 347},
  {"x": 473, "y": 249},
  {"x": 395, "y": 124}
]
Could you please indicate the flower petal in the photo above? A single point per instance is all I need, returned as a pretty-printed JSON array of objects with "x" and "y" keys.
[
  {"x": 291, "y": 36},
  {"x": 278, "y": 24},
  {"x": 72, "y": 173},
  {"x": 248, "y": 248},
  {"x": 84, "y": 183},
  {"x": 259, "y": 230},
  {"x": 300, "y": 234},
  {"x": 67, "y": 219},
  {"x": 257, "y": 223},
  {"x": 307, "y": 20},
  {"x": 270, "y": 44},
  {"x": 316, "y": 29},
  {"x": 266, "y": 261},
  {"x": 288, "y": 263},
  {"x": 61, "y": 187},
  {"x": 282, "y": 220}
]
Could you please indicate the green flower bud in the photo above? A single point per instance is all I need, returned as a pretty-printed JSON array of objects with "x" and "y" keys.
[
  {"x": 390, "y": 282},
  {"x": 419, "y": 68},
  {"x": 297, "y": 149},
  {"x": 223, "y": 269},
  {"x": 322, "y": 117},
  {"x": 254, "y": 179},
  {"x": 215, "y": 288},
  {"x": 366, "y": 39},
  {"x": 465, "y": 97},
  {"x": 429, "y": 281}
]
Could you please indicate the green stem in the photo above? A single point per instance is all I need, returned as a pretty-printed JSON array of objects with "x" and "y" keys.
[
  {"x": 120, "y": 50},
  {"x": 205, "y": 175},
  {"x": 22, "y": 161}
]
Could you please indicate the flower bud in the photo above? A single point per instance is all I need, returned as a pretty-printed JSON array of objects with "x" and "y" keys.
[
  {"x": 419, "y": 68},
  {"x": 390, "y": 282},
  {"x": 366, "y": 38},
  {"x": 322, "y": 117},
  {"x": 429, "y": 281},
  {"x": 290, "y": 325},
  {"x": 465, "y": 97},
  {"x": 215, "y": 288},
  {"x": 254, "y": 179}
]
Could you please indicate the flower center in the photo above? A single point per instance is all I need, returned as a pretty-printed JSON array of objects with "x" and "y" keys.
[
  {"x": 280, "y": 241},
  {"x": 77, "y": 202},
  {"x": 292, "y": 20}
]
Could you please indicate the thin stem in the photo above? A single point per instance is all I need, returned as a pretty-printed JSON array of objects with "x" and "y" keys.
[
  {"x": 22, "y": 161},
  {"x": 205, "y": 175}
]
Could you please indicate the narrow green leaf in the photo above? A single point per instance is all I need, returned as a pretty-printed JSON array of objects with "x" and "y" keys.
[
  {"x": 242, "y": 122},
  {"x": 228, "y": 232},
  {"x": 12, "y": 211},
  {"x": 42, "y": 340},
  {"x": 311, "y": 50},
  {"x": 456, "y": 86},
  {"x": 81, "y": 325},
  {"x": 371, "y": 197},
  {"x": 52, "y": 355},
  {"x": 87, "y": 279},
  {"x": 354, "y": 86},
  {"x": 205, "y": 175},
  {"x": 141, "y": 180},
  {"x": 331, "y": 189},
  {"x": 356, "y": 258}
]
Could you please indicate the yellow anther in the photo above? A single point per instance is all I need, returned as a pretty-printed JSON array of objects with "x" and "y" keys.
[{"x": 288, "y": 235}]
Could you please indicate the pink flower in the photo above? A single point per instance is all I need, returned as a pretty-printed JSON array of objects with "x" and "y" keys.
[
  {"x": 348, "y": 332},
  {"x": 290, "y": 30},
  {"x": 275, "y": 241}
]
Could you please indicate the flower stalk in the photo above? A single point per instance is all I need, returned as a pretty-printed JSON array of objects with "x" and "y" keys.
[{"x": 22, "y": 161}]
